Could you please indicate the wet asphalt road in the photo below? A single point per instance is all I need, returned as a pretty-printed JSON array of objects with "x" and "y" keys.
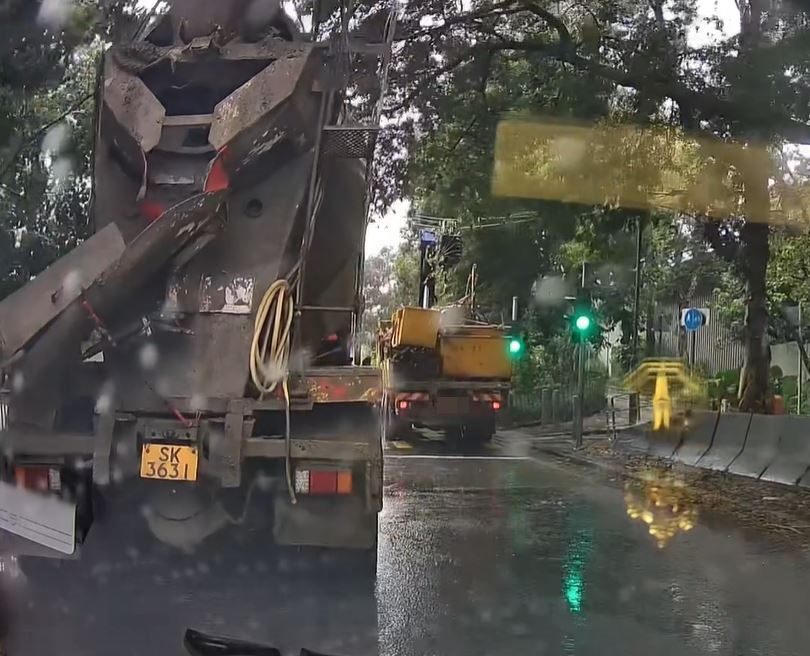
[{"x": 497, "y": 551}]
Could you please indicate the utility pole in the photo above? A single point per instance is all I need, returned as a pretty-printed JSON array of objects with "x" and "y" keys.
[{"x": 428, "y": 241}]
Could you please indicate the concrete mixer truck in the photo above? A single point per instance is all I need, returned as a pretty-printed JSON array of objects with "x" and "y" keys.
[{"x": 202, "y": 336}]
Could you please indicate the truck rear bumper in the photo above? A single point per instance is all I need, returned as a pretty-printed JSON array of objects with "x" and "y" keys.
[
  {"x": 435, "y": 414},
  {"x": 446, "y": 403},
  {"x": 227, "y": 459},
  {"x": 434, "y": 420},
  {"x": 46, "y": 524},
  {"x": 122, "y": 451}
]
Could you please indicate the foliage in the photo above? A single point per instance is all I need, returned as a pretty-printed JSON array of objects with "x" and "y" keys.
[
  {"x": 724, "y": 386},
  {"x": 48, "y": 69},
  {"x": 391, "y": 281}
]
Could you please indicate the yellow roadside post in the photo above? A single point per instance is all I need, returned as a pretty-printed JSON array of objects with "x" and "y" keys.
[
  {"x": 658, "y": 376},
  {"x": 662, "y": 403}
]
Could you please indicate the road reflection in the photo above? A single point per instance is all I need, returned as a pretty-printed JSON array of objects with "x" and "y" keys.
[{"x": 663, "y": 501}]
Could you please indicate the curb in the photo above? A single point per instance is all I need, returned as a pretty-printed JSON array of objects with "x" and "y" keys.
[
  {"x": 567, "y": 432},
  {"x": 573, "y": 456}
]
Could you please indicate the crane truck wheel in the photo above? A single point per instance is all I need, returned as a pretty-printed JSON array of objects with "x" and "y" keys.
[
  {"x": 392, "y": 427},
  {"x": 478, "y": 432}
]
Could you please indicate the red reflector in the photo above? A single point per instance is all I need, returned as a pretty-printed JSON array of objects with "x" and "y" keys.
[
  {"x": 151, "y": 211},
  {"x": 33, "y": 478},
  {"x": 403, "y": 405},
  {"x": 323, "y": 482},
  {"x": 217, "y": 179},
  {"x": 496, "y": 405}
]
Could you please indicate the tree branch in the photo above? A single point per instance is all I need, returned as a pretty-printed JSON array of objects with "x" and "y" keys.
[
  {"x": 705, "y": 102},
  {"x": 429, "y": 76},
  {"x": 554, "y": 21},
  {"x": 27, "y": 141},
  {"x": 709, "y": 104},
  {"x": 726, "y": 249},
  {"x": 464, "y": 133},
  {"x": 484, "y": 12}
]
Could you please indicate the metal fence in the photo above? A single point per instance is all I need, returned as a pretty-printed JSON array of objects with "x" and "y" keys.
[
  {"x": 609, "y": 407},
  {"x": 716, "y": 348}
]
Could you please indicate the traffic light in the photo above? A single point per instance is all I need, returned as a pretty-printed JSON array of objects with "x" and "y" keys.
[
  {"x": 515, "y": 346},
  {"x": 583, "y": 323}
]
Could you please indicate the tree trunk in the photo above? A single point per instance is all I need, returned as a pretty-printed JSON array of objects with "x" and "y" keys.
[
  {"x": 754, "y": 380},
  {"x": 754, "y": 392}
]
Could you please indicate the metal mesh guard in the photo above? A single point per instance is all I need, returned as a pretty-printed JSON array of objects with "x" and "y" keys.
[{"x": 348, "y": 142}]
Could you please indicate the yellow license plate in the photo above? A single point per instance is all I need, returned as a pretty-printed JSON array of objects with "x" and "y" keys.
[{"x": 169, "y": 462}]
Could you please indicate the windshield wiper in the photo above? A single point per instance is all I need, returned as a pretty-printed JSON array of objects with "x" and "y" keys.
[{"x": 202, "y": 644}]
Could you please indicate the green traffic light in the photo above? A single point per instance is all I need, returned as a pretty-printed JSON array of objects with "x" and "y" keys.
[
  {"x": 515, "y": 346},
  {"x": 583, "y": 322}
]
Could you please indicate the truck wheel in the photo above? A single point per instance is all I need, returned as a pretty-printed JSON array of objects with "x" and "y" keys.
[
  {"x": 479, "y": 432},
  {"x": 392, "y": 428},
  {"x": 454, "y": 434}
]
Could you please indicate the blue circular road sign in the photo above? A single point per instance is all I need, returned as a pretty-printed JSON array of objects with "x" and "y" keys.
[{"x": 693, "y": 319}]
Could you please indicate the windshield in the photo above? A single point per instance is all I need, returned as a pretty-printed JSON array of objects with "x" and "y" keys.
[{"x": 397, "y": 327}]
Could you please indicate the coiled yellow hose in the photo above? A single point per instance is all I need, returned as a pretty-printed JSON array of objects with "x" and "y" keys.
[
  {"x": 270, "y": 349},
  {"x": 270, "y": 355}
]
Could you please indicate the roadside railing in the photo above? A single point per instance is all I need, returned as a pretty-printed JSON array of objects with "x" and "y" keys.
[
  {"x": 624, "y": 410},
  {"x": 605, "y": 408}
]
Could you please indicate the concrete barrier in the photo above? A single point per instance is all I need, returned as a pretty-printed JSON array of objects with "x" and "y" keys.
[
  {"x": 663, "y": 443},
  {"x": 697, "y": 437},
  {"x": 761, "y": 446},
  {"x": 728, "y": 442},
  {"x": 793, "y": 456},
  {"x": 804, "y": 481}
]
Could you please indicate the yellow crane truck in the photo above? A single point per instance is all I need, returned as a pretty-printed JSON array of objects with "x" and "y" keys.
[{"x": 442, "y": 372}]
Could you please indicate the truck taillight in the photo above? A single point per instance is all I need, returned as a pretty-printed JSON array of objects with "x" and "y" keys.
[
  {"x": 496, "y": 405},
  {"x": 403, "y": 405},
  {"x": 309, "y": 481},
  {"x": 42, "y": 479}
]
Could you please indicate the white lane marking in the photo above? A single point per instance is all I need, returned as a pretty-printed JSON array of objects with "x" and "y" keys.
[{"x": 426, "y": 456}]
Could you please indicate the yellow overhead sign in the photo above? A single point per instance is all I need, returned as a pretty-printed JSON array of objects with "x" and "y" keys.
[{"x": 640, "y": 168}]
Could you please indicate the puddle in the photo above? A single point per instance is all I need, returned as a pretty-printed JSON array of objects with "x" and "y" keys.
[{"x": 662, "y": 501}]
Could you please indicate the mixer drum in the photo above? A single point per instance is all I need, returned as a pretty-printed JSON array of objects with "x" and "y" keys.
[{"x": 337, "y": 246}]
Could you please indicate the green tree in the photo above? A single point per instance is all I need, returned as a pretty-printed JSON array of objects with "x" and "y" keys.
[
  {"x": 48, "y": 64},
  {"x": 391, "y": 281}
]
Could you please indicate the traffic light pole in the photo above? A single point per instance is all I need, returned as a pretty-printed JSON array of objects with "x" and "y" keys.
[
  {"x": 633, "y": 408},
  {"x": 579, "y": 396}
]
